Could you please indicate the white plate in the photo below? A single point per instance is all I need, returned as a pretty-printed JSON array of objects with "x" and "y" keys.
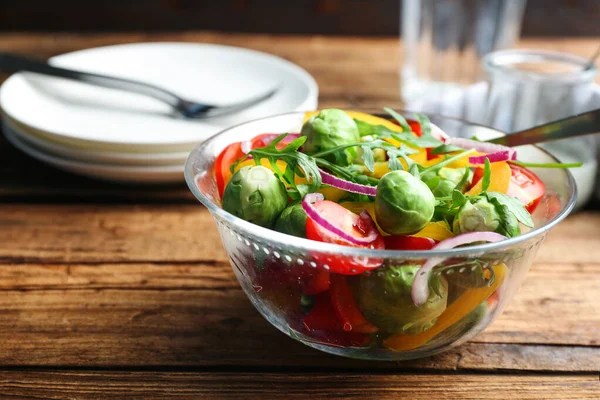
[
  {"x": 81, "y": 115},
  {"x": 103, "y": 157},
  {"x": 141, "y": 175}
]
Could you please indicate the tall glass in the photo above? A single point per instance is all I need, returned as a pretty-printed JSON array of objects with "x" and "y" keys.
[
  {"x": 531, "y": 87},
  {"x": 445, "y": 40}
]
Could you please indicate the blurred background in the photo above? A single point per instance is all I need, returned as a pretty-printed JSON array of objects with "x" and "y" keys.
[{"x": 344, "y": 17}]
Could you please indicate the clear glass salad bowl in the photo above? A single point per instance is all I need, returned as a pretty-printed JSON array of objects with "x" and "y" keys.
[{"x": 274, "y": 269}]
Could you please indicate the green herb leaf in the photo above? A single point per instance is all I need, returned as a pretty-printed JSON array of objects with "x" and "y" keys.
[
  {"x": 433, "y": 182},
  {"x": 464, "y": 179},
  {"x": 446, "y": 148},
  {"x": 514, "y": 206},
  {"x": 426, "y": 139},
  {"x": 487, "y": 176},
  {"x": 509, "y": 225},
  {"x": 368, "y": 158},
  {"x": 394, "y": 164},
  {"x": 401, "y": 120},
  {"x": 414, "y": 170},
  {"x": 547, "y": 165},
  {"x": 458, "y": 199},
  {"x": 298, "y": 164}
]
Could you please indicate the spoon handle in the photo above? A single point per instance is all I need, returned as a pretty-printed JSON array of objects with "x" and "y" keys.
[{"x": 578, "y": 125}]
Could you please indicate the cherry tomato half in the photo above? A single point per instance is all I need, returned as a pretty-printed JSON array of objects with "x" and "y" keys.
[
  {"x": 350, "y": 223},
  {"x": 526, "y": 186},
  {"x": 223, "y": 164}
]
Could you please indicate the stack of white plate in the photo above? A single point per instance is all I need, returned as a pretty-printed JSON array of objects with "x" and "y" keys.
[{"x": 119, "y": 136}]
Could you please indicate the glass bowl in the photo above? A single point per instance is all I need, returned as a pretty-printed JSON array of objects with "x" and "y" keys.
[{"x": 276, "y": 270}]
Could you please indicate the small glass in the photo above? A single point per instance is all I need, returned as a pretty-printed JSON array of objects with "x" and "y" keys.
[
  {"x": 531, "y": 87},
  {"x": 445, "y": 40}
]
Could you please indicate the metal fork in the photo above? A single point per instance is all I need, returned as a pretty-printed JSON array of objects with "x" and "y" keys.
[
  {"x": 578, "y": 125},
  {"x": 11, "y": 63}
]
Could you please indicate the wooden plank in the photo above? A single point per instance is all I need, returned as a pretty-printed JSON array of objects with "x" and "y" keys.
[
  {"x": 109, "y": 385},
  {"x": 185, "y": 233},
  {"x": 196, "y": 315}
]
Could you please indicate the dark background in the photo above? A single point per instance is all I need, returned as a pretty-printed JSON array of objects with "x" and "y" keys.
[{"x": 345, "y": 17}]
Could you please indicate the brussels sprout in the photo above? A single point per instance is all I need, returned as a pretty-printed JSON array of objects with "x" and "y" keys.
[
  {"x": 329, "y": 129},
  {"x": 404, "y": 204},
  {"x": 255, "y": 194},
  {"x": 292, "y": 220},
  {"x": 485, "y": 216},
  {"x": 443, "y": 183},
  {"x": 385, "y": 300}
]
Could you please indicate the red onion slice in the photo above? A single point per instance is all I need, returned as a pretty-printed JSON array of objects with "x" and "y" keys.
[
  {"x": 420, "y": 286},
  {"x": 493, "y": 157},
  {"x": 482, "y": 147},
  {"x": 339, "y": 183},
  {"x": 246, "y": 147},
  {"x": 316, "y": 217},
  {"x": 438, "y": 133}
]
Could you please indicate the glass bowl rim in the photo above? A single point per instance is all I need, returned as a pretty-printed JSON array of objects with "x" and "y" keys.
[
  {"x": 289, "y": 241},
  {"x": 494, "y": 65}
]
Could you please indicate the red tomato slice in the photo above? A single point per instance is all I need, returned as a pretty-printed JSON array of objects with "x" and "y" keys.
[
  {"x": 224, "y": 162},
  {"x": 408, "y": 243},
  {"x": 346, "y": 309},
  {"x": 319, "y": 283},
  {"x": 348, "y": 222},
  {"x": 526, "y": 186},
  {"x": 323, "y": 325},
  {"x": 322, "y": 316}
]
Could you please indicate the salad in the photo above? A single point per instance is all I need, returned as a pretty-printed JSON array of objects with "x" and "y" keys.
[{"x": 364, "y": 181}]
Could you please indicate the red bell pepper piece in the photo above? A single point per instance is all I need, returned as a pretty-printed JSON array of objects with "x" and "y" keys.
[{"x": 345, "y": 307}]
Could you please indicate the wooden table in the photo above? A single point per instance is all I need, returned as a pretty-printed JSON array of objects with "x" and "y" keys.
[{"x": 112, "y": 292}]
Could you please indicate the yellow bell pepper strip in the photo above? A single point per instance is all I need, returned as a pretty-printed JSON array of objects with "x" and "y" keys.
[
  {"x": 499, "y": 179},
  {"x": 332, "y": 193},
  {"x": 456, "y": 311},
  {"x": 435, "y": 230}
]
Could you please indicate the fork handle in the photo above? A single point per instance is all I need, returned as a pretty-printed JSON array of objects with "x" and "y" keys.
[
  {"x": 578, "y": 125},
  {"x": 14, "y": 63}
]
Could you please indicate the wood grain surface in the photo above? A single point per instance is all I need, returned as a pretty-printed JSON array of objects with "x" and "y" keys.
[
  {"x": 109, "y": 291},
  {"x": 299, "y": 385}
]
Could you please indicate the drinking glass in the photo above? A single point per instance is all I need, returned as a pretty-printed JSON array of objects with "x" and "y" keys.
[
  {"x": 445, "y": 40},
  {"x": 531, "y": 87}
]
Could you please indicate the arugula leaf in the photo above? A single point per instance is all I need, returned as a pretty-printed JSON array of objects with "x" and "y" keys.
[
  {"x": 426, "y": 139},
  {"x": 433, "y": 182},
  {"x": 446, "y": 148},
  {"x": 508, "y": 225},
  {"x": 514, "y": 206},
  {"x": 393, "y": 164},
  {"x": 487, "y": 176},
  {"x": 297, "y": 164},
  {"x": 464, "y": 179},
  {"x": 368, "y": 158},
  {"x": 401, "y": 120},
  {"x": 414, "y": 170},
  {"x": 547, "y": 165},
  {"x": 458, "y": 199}
]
